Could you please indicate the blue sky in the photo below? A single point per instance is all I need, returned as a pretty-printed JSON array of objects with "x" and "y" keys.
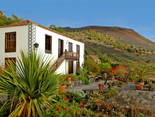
[{"x": 136, "y": 14}]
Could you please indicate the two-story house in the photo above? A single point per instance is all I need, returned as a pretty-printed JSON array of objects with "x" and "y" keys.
[{"x": 67, "y": 54}]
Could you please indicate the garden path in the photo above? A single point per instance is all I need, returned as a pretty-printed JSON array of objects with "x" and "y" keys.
[
  {"x": 91, "y": 86},
  {"x": 94, "y": 86}
]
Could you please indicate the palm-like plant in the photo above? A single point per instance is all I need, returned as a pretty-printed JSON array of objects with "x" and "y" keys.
[{"x": 29, "y": 85}]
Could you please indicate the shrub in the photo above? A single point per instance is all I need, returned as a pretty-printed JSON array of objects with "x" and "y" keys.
[
  {"x": 105, "y": 59},
  {"x": 112, "y": 92},
  {"x": 59, "y": 29},
  {"x": 91, "y": 65},
  {"x": 83, "y": 75},
  {"x": 105, "y": 67},
  {"x": 76, "y": 95},
  {"x": 133, "y": 77},
  {"x": 29, "y": 85},
  {"x": 119, "y": 70}
]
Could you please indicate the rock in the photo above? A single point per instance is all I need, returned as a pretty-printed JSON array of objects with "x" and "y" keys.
[{"x": 138, "y": 99}]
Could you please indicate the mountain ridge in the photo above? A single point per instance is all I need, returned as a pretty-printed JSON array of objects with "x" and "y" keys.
[{"x": 121, "y": 34}]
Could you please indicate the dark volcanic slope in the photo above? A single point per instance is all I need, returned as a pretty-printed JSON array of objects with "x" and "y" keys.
[{"x": 122, "y": 35}]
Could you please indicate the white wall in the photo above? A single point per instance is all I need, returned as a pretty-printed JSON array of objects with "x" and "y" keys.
[
  {"x": 62, "y": 69},
  {"x": 21, "y": 42},
  {"x": 40, "y": 38}
]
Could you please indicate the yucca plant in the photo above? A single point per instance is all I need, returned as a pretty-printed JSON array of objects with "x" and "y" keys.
[{"x": 29, "y": 85}]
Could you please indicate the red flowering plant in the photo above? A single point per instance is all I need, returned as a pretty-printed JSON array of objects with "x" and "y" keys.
[
  {"x": 58, "y": 108},
  {"x": 64, "y": 108},
  {"x": 119, "y": 70},
  {"x": 112, "y": 70},
  {"x": 100, "y": 85},
  {"x": 69, "y": 78}
]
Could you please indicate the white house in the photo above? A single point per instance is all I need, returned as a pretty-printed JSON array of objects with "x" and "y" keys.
[{"x": 67, "y": 54}]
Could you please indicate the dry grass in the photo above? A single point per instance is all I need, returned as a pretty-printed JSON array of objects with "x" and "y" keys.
[{"x": 122, "y": 35}]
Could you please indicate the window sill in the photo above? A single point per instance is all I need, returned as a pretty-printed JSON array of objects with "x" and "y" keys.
[{"x": 10, "y": 51}]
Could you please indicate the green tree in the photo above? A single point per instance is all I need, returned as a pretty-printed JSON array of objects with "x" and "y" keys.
[
  {"x": 4, "y": 20},
  {"x": 59, "y": 29}
]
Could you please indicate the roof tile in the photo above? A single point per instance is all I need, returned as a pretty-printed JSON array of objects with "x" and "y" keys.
[{"x": 27, "y": 22}]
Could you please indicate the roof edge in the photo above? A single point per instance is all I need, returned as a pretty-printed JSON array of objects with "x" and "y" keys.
[{"x": 28, "y": 22}]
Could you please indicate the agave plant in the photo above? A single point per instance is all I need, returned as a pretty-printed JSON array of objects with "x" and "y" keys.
[{"x": 29, "y": 85}]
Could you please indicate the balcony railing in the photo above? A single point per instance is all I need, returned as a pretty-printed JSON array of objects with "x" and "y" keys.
[
  {"x": 72, "y": 55},
  {"x": 66, "y": 55}
]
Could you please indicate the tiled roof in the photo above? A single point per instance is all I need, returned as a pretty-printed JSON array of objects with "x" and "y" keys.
[
  {"x": 27, "y": 22},
  {"x": 21, "y": 23}
]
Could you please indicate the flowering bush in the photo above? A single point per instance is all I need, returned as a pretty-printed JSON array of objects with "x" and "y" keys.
[
  {"x": 76, "y": 95},
  {"x": 66, "y": 108},
  {"x": 119, "y": 70},
  {"x": 68, "y": 76}
]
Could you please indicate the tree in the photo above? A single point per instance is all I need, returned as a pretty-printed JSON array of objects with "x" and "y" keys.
[
  {"x": 1, "y": 13},
  {"x": 52, "y": 26},
  {"x": 59, "y": 29},
  {"x": 4, "y": 20},
  {"x": 29, "y": 85}
]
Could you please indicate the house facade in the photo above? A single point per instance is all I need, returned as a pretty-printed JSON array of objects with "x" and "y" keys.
[{"x": 67, "y": 54}]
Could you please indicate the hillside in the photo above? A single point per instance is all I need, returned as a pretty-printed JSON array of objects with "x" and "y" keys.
[
  {"x": 122, "y": 35},
  {"x": 124, "y": 46},
  {"x": 119, "y": 56}
]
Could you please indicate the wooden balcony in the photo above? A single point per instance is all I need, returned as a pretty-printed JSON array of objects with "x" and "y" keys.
[{"x": 72, "y": 55}]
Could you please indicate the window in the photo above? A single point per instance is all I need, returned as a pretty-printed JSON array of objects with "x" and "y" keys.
[
  {"x": 48, "y": 44},
  {"x": 70, "y": 47},
  {"x": 77, "y": 65},
  {"x": 70, "y": 67},
  {"x": 10, "y": 42},
  {"x": 9, "y": 59},
  {"x": 60, "y": 47},
  {"x": 78, "y": 49}
]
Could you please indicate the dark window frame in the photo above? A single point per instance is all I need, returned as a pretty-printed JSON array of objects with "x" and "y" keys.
[
  {"x": 77, "y": 65},
  {"x": 10, "y": 41},
  {"x": 48, "y": 44},
  {"x": 60, "y": 47},
  {"x": 70, "y": 47},
  {"x": 78, "y": 49}
]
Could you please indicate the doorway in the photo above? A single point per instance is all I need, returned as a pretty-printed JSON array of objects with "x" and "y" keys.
[
  {"x": 70, "y": 67},
  {"x": 60, "y": 47}
]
